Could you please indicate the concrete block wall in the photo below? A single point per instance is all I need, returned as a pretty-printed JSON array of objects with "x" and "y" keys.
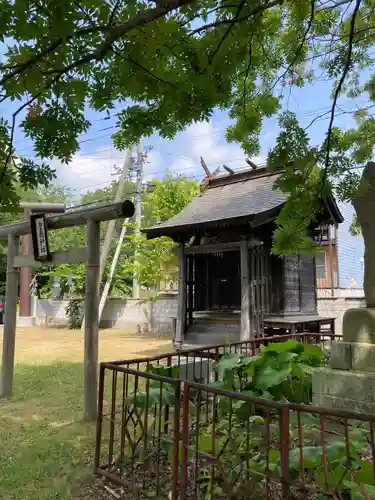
[
  {"x": 131, "y": 315},
  {"x": 337, "y": 306}
]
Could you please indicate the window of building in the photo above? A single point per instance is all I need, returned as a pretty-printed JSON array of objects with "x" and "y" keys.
[{"x": 321, "y": 266}]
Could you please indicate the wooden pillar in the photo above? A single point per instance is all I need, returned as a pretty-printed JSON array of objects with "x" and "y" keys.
[
  {"x": 26, "y": 273},
  {"x": 191, "y": 279},
  {"x": 91, "y": 335},
  {"x": 9, "y": 340},
  {"x": 181, "y": 304},
  {"x": 246, "y": 330}
]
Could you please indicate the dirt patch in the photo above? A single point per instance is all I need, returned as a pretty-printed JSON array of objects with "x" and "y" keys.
[{"x": 48, "y": 345}]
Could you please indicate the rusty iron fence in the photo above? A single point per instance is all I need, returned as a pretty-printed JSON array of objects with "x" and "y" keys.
[{"x": 166, "y": 431}]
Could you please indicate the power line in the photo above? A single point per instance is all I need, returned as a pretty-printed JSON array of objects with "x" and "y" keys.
[
  {"x": 218, "y": 131},
  {"x": 162, "y": 172},
  {"x": 306, "y": 113}
]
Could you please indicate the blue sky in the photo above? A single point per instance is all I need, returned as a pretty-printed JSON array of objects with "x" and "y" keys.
[{"x": 93, "y": 166}]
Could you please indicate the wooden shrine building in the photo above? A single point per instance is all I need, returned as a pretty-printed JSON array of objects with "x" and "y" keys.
[{"x": 231, "y": 287}]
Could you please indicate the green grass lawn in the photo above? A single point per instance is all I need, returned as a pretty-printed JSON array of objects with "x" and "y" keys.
[{"x": 45, "y": 446}]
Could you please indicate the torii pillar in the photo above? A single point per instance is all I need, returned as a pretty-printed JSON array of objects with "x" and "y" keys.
[{"x": 26, "y": 273}]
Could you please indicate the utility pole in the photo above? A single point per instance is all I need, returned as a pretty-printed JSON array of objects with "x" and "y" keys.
[
  {"x": 112, "y": 223},
  {"x": 138, "y": 213}
]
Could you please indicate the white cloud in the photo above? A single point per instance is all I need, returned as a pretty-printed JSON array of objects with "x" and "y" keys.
[
  {"x": 184, "y": 166},
  {"x": 207, "y": 141},
  {"x": 89, "y": 170},
  {"x": 97, "y": 169},
  {"x": 153, "y": 165}
]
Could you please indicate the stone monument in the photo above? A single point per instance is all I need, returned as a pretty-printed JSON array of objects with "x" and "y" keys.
[{"x": 349, "y": 382}]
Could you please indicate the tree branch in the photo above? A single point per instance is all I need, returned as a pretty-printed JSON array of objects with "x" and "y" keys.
[
  {"x": 20, "y": 68},
  {"x": 114, "y": 33},
  {"x": 300, "y": 47},
  {"x": 114, "y": 11},
  {"x": 13, "y": 127},
  {"x": 145, "y": 70},
  {"x": 226, "y": 34},
  {"x": 338, "y": 90},
  {"x": 342, "y": 112},
  {"x": 256, "y": 10}
]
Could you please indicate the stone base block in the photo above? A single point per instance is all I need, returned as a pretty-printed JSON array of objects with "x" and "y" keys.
[
  {"x": 25, "y": 321},
  {"x": 363, "y": 357},
  {"x": 358, "y": 325},
  {"x": 338, "y": 403},
  {"x": 341, "y": 356},
  {"x": 194, "y": 370},
  {"x": 344, "y": 389},
  {"x": 352, "y": 356}
]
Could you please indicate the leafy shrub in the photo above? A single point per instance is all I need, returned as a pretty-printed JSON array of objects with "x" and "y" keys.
[
  {"x": 74, "y": 313},
  {"x": 280, "y": 371}
]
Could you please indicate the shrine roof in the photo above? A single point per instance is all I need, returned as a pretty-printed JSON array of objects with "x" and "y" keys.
[{"x": 245, "y": 197}]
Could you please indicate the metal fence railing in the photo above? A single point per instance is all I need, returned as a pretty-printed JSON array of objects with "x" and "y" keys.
[{"x": 167, "y": 430}]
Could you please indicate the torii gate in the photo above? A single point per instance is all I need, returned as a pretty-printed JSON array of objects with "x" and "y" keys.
[
  {"x": 29, "y": 208},
  {"x": 90, "y": 217}
]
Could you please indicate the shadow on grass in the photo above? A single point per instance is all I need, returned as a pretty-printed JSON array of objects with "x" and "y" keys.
[{"x": 45, "y": 445}]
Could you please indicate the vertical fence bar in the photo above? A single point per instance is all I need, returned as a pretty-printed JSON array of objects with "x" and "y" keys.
[
  {"x": 176, "y": 441},
  {"x": 268, "y": 447},
  {"x": 159, "y": 439},
  {"x": 300, "y": 445},
  {"x": 125, "y": 384},
  {"x": 185, "y": 441},
  {"x": 284, "y": 451},
  {"x": 166, "y": 411},
  {"x": 113, "y": 418},
  {"x": 324, "y": 447},
  {"x": 372, "y": 440},
  {"x": 213, "y": 443},
  {"x": 197, "y": 436},
  {"x": 99, "y": 423},
  {"x": 145, "y": 423}
]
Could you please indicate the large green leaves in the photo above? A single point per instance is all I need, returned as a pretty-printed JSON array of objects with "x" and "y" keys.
[
  {"x": 271, "y": 376},
  {"x": 153, "y": 396},
  {"x": 280, "y": 370}
]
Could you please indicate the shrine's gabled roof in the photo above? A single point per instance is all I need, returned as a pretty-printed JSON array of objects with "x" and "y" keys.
[{"x": 237, "y": 198}]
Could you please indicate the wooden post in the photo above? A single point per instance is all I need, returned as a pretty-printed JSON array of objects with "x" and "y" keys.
[
  {"x": 9, "y": 340},
  {"x": 26, "y": 273},
  {"x": 91, "y": 324},
  {"x": 181, "y": 304},
  {"x": 246, "y": 331}
]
